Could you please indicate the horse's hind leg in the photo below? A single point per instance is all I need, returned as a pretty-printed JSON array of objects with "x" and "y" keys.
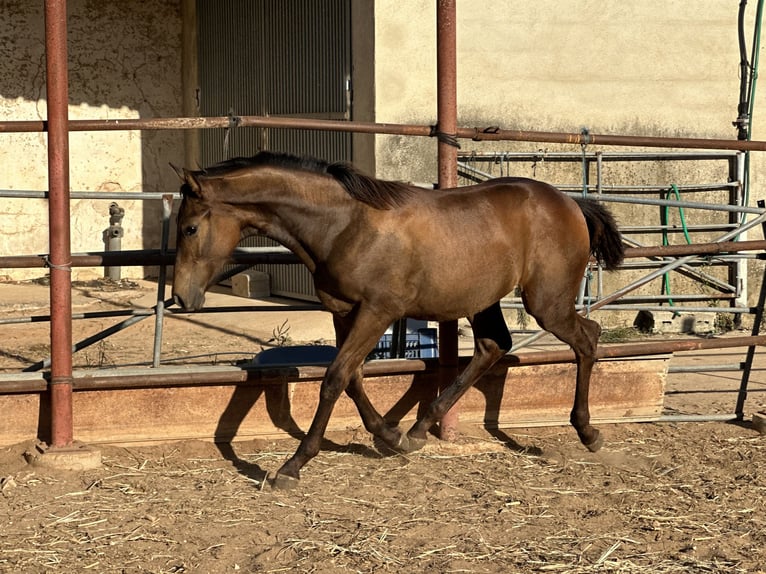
[
  {"x": 560, "y": 318},
  {"x": 586, "y": 358},
  {"x": 491, "y": 341}
]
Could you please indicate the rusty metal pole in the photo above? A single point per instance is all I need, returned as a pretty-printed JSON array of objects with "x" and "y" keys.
[
  {"x": 446, "y": 70},
  {"x": 58, "y": 218}
]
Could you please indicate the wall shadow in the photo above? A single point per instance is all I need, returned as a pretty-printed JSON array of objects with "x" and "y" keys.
[{"x": 124, "y": 61}]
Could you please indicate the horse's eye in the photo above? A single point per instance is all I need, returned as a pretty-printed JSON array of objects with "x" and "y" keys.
[{"x": 190, "y": 230}]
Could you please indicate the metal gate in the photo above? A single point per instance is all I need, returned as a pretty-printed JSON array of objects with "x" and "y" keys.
[{"x": 282, "y": 58}]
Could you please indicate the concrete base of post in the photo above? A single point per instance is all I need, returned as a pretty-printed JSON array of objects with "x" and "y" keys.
[{"x": 76, "y": 457}]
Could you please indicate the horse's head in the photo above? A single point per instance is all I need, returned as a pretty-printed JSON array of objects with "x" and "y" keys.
[{"x": 208, "y": 232}]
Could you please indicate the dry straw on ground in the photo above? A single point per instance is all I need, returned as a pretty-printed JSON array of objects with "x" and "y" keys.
[{"x": 660, "y": 498}]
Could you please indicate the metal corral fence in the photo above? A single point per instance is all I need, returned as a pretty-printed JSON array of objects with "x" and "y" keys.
[
  {"x": 653, "y": 213},
  {"x": 472, "y": 167},
  {"x": 730, "y": 291},
  {"x": 60, "y": 381}
]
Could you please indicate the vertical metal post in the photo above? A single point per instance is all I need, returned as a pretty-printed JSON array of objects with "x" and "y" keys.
[
  {"x": 739, "y": 196},
  {"x": 446, "y": 69},
  {"x": 167, "y": 209},
  {"x": 58, "y": 218},
  {"x": 739, "y": 409}
]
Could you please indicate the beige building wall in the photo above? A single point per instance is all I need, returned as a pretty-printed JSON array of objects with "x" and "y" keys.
[
  {"x": 638, "y": 67},
  {"x": 635, "y": 67},
  {"x": 124, "y": 62}
]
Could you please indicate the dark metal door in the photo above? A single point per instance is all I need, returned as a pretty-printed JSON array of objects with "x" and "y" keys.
[{"x": 282, "y": 58}]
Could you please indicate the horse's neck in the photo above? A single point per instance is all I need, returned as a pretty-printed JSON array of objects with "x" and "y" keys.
[{"x": 302, "y": 212}]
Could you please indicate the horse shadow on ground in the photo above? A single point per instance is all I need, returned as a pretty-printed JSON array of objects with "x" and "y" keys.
[
  {"x": 278, "y": 408},
  {"x": 418, "y": 396}
]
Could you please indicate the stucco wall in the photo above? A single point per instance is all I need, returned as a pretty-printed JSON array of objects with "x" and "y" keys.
[
  {"x": 634, "y": 67},
  {"x": 638, "y": 67},
  {"x": 641, "y": 67},
  {"x": 124, "y": 62}
]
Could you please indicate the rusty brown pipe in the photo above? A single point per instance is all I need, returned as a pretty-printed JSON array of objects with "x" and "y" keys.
[
  {"x": 490, "y": 133},
  {"x": 156, "y": 378},
  {"x": 60, "y": 383},
  {"x": 446, "y": 131}
]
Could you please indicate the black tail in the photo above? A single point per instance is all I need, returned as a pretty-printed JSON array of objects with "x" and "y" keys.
[{"x": 605, "y": 242}]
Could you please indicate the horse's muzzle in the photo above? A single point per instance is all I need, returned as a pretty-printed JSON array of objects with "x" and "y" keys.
[
  {"x": 191, "y": 304},
  {"x": 188, "y": 299}
]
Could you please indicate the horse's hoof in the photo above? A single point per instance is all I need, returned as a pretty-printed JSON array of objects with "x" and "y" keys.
[
  {"x": 409, "y": 444},
  {"x": 284, "y": 482},
  {"x": 596, "y": 443},
  {"x": 384, "y": 447}
]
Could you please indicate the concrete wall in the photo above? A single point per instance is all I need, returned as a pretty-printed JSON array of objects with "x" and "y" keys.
[{"x": 124, "y": 62}]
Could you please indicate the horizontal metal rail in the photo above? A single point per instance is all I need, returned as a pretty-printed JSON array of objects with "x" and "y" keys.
[
  {"x": 673, "y": 203},
  {"x": 702, "y": 227},
  {"x": 261, "y": 375},
  {"x": 106, "y": 195},
  {"x": 653, "y": 308},
  {"x": 147, "y": 257},
  {"x": 253, "y": 255},
  {"x": 592, "y": 156},
  {"x": 149, "y": 311},
  {"x": 491, "y": 133},
  {"x": 690, "y": 188},
  {"x": 150, "y": 195}
]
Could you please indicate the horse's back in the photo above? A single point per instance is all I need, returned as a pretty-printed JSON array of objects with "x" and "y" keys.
[
  {"x": 473, "y": 245},
  {"x": 529, "y": 205},
  {"x": 499, "y": 218}
]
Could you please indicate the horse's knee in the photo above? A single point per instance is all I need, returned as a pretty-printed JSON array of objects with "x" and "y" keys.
[
  {"x": 592, "y": 328},
  {"x": 330, "y": 392},
  {"x": 335, "y": 381},
  {"x": 594, "y": 331}
]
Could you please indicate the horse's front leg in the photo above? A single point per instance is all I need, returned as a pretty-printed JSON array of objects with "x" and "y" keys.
[
  {"x": 373, "y": 421},
  {"x": 333, "y": 384},
  {"x": 362, "y": 336}
]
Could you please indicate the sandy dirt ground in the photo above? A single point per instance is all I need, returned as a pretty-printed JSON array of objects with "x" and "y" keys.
[{"x": 665, "y": 498}]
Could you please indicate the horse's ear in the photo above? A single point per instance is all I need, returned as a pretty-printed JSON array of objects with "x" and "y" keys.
[
  {"x": 179, "y": 172},
  {"x": 190, "y": 184}
]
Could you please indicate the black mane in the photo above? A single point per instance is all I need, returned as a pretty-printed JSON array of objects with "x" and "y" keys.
[{"x": 376, "y": 193}]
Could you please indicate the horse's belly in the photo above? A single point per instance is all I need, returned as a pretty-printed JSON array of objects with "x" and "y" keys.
[{"x": 461, "y": 292}]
